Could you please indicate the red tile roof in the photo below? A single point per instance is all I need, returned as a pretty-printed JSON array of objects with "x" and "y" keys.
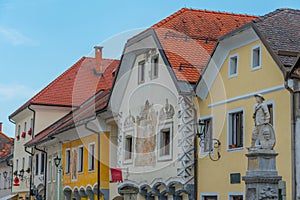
[
  {"x": 86, "y": 110},
  {"x": 75, "y": 85},
  {"x": 188, "y": 38},
  {"x": 6, "y": 144}
]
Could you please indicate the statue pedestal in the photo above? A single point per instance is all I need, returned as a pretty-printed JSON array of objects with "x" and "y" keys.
[{"x": 261, "y": 177}]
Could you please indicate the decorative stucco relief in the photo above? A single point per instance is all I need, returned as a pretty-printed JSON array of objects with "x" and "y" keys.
[{"x": 187, "y": 118}]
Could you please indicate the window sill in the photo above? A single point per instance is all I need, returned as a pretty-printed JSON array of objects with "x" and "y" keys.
[
  {"x": 127, "y": 162},
  {"x": 255, "y": 68},
  {"x": 164, "y": 158},
  {"x": 91, "y": 170},
  {"x": 235, "y": 149}
]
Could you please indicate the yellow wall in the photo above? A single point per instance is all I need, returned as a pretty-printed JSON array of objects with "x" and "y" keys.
[
  {"x": 215, "y": 176},
  {"x": 89, "y": 178}
]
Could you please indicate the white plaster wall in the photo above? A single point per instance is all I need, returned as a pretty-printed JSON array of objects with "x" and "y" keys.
[
  {"x": 156, "y": 91},
  {"x": 5, "y": 184}
]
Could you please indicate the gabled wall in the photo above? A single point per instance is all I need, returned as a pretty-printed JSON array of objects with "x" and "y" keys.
[{"x": 229, "y": 94}]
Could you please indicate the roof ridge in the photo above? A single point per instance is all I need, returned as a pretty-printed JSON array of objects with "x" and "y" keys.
[
  {"x": 182, "y": 10},
  {"x": 270, "y": 14},
  {"x": 57, "y": 79},
  {"x": 9, "y": 138}
]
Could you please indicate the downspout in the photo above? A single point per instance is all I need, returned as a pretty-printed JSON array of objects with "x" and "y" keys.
[
  {"x": 293, "y": 137},
  {"x": 30, "y": 153},
  {"x": 12, "y": 168},
  {"x": 45, "y": 172},
  {"x": 98, "y": 159}
]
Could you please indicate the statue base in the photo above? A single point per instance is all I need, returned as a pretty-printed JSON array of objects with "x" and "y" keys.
[{"x": 261, "y": 177}]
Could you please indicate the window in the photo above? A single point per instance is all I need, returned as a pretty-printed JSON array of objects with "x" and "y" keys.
[
  {"x": 207, "y": 140},
  {"x": 165, "y": 143},
  {"x": 141, "y": 72},
  {"x": 19, "y": 130},
  {"x": 235, "y": 129},
  {"x": 91, "y": 157},
  {"x": 25, "y": 126},
  {"x": 29, "y": 162},
  {"x": 31, "y": 123},
  {"x": 54, "y": 168},
  {"x": 233, "y": 66},
  {"x": 209, "y": 197},
  {"x": 80, "y": 159},
  {"x": 154, "y": 67},
  {"x": 235, "y": 197},
  {"x": 68, "y": 159},
  {"x": 42, "y": 163},
  {"x": 23, "y": 163},
  {"x": 49, "y": 170},
  {"x": 256, "y": 57},
  {"x": 36, "y": 164},
  {"x": 17, "y": 164},
  {"x": 128, "y": 147}
]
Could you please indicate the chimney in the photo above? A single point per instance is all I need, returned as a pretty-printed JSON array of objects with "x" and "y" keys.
[
  {"x": 98, "y": 55},
  {"x": 0, "y": 127}
]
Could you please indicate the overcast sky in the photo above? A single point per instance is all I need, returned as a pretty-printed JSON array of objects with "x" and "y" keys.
[{"x": 40, "y": 39}]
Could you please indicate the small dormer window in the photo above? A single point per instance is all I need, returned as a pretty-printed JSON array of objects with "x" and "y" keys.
[
  {"x": 256, "y": 57},
  {"x": 141, "y": 72}
]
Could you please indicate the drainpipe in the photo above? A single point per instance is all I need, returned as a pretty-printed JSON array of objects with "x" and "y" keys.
[
  {"x": 45, "y": 172},
  {"x": 32, "y": 134},
  {"x": 98, "y": 160},
  {"x": 294, "y": 135}
]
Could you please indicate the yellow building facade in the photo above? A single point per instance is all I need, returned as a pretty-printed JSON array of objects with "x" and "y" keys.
[
  {"x": 80, "y": 164},
  {"x": 240, "y": 67}
]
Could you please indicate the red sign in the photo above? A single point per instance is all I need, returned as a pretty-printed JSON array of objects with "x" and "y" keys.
[{"x": 116, "y": 175}]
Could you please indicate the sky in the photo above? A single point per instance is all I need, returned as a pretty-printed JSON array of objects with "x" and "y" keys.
[{"x": 40, "y": 39}]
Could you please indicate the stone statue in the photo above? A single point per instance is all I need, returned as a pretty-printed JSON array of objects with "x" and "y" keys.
[{"x": 263, "y": 130}]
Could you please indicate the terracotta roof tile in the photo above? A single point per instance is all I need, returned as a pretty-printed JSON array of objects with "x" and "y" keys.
[
  {"x": 86, "y": 110},
  {"x": 6, "y": 144},
  {"x": 189, "y": 36},
  {"x": 75, "y": 85}
]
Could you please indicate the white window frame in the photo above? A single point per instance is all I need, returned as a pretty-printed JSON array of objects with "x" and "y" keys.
[
  {"x": 166, "y": 126},
  {"x": 229, "y": 129},
  {"x": 49, "y": 170},
  {"x": 230, "y": 74},
  {"x": 141, "y": 71},
  {"x": 80, "y": 160},
  {"x": 259, "y": 57},
  {"x": 54, "y": 169},
  {"x": 127, "y": 134},
  {"x": 68, "y": 161},
  {"x": 205, "y": 194},
  {"x": 91, "y": 158},
  {"x": 212, "y": 133},
  {"x": 154, "y": 67},
  {"x": 230, "y": 194}
]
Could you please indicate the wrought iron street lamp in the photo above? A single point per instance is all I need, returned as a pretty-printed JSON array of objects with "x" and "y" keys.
[{"x": 57, "y": 161}]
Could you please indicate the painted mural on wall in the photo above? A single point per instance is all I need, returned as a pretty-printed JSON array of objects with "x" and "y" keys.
[
  {"x": 146, "y": 136},
  {"x": 74, "y": 171},
  {"x": 147, "y": 125}
]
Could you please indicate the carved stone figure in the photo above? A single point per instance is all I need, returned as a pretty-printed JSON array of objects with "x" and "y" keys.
[{"x": 263, "y": 130}]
